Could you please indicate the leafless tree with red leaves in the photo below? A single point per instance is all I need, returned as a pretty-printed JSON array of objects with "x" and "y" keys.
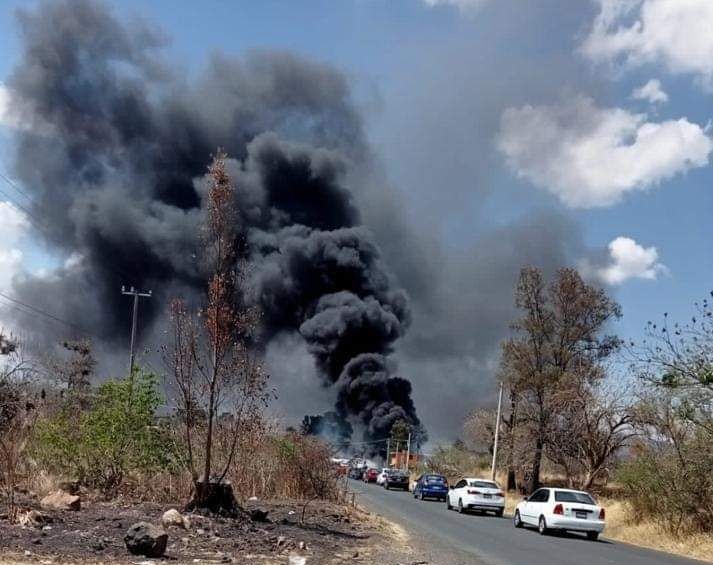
[{"x": 220, "y": 385}]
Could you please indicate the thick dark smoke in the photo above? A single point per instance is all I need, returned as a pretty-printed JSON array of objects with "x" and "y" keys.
[{"x": 115, "y": 150}]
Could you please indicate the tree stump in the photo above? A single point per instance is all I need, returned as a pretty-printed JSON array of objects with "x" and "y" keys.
[{"x": 214, "y": 496}]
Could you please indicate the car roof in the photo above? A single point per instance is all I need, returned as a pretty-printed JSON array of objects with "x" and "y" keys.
[
  {"x": 479, "y": 479},
  {"x": 567, "y": 490}
]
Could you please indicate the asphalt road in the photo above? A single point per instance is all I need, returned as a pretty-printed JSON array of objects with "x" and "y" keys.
[{"x": 490, "y": 540}]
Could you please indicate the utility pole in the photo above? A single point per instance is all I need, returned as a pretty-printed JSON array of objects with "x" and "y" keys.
[
  {"x": 388, "y": 451},
  {"x": 497, "y": 432},
  {"x": 134, "y": 321},
  {"x": 408, "y": 450}
]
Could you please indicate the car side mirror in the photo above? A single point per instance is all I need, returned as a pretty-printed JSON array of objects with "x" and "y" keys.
[
  {"x": 525, "y": 498},
  {"x": 451, "y": 487}
]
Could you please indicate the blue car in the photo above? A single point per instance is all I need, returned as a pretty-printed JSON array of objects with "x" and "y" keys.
[{"x": 431, "y": 486}]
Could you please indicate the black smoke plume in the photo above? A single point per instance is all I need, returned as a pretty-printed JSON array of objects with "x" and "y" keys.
[{"x": 115, "y": 146}]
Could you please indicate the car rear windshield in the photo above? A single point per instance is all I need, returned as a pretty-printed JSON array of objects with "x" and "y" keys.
[
  {"x": 483, "y": 484},
  {"x": 435, "y": 479},
  {"x": 567, "y": 496}
]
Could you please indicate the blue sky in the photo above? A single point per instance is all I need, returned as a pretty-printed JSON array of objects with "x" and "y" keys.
[{"x": 483, "y": 113}]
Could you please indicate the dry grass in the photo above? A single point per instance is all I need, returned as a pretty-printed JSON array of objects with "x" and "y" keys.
[
  {"x": 621, "y": 526},
  {"x": 42, "y": 483}
]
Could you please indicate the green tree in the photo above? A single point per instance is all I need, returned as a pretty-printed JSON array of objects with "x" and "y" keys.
[
  {"x": 400, "y": 432},
  {"x": 117, "y": 435}
]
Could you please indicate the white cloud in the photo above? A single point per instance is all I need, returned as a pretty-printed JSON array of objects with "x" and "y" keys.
[
  {"x": 590, "y": 156},
  {"x": 674, "y": 33},
  {"x": 651, "y": 92},
  {"x": 74, "y": 261},
  {"x": 6, "y": 118},
  {"x": 4, "y": 102},
  {"x": 627, "y": 260},
  {"x": 15, "y": 226},
  {"x": 465, "y": 5}
]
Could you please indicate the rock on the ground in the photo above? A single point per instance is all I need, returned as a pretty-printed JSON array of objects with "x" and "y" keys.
[
  {"x": 146, "y": 539},
  {"x": 34, "y": 519},
  {"x": 61, "y": 501},
  {"x": 70, "y": 487},
  {"x": 258, "y": 515},
  {"x": 173, "y": 517}
]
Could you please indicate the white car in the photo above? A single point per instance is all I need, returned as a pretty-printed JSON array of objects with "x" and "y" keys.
[
  {"x": 560, "y": 509},
  {"x": 476, "y": 494},
  {"x": 382, "y": 476}
]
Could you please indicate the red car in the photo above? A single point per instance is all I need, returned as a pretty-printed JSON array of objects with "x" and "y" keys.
[{"x": 370, "y": 475}]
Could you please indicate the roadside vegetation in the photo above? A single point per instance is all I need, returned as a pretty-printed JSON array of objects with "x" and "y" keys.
[
  {"x": 194, "y": 434},
  {"x": 631, "y": 422}
]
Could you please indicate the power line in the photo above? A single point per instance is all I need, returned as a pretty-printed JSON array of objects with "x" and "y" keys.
[
  {"x": 344, "y": 443},
  {"x": 15, "y": 203},
  {"x": 46, "y": 314},
  {"x": 27, "y": 313},
  {"x": 14, "y": 185},
  {"x": 38, "y": 222},
  {"x": 40, "y": 226}
]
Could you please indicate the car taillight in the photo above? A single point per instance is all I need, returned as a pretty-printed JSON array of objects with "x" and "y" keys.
[
  {"x": 558, "y": 510},
  {"x": 602, "y": 514},
  {"x": 499, "y": 494},
  {"x": 474, "y": 492}
]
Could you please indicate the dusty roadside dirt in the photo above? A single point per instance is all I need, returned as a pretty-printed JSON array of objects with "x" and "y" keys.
[{"x": 330, "y": 534}]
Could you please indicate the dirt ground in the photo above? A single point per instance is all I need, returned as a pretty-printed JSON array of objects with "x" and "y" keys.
[{"x": 330, "y": 534}]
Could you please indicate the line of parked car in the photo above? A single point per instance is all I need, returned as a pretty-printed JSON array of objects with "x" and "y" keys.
[
  {"x": 388, "y": 478},
  {"x": 548, "y": 509}
]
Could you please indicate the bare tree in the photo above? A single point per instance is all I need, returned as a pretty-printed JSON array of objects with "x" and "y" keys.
[
  {"x": 594, "y": 422},
  {"x": 479, "y": 430},
  {"x": 17, "y": 414},
  {"x": 557, "y": 344},
  {"x": 73, "y": 371},
  {"x": 670, "y": 479},
  {"x": 679, "y": 359},
  {"x": 218, "y": 380}
]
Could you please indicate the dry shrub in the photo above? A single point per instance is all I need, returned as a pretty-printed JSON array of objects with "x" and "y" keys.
[
  {"x": 672, "y": 487},
  {"x": 271, "y": 464},
  {"x": 455, "y": 461},
  {"x": 17, "y": 416},
  {"x": 163, "y": 487},
  {"x": 624, "y": 525}
]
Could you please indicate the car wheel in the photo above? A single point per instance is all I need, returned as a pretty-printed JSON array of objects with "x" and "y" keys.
[
  {"x": 592, "y": 536},
  {"x": 448, "y": 503},
  {"x": 542, "y": 526},
  {"x": 499, "y": 513},
  {"x": 516, "y": 520},
  {"x": 460, "y": 506}
]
